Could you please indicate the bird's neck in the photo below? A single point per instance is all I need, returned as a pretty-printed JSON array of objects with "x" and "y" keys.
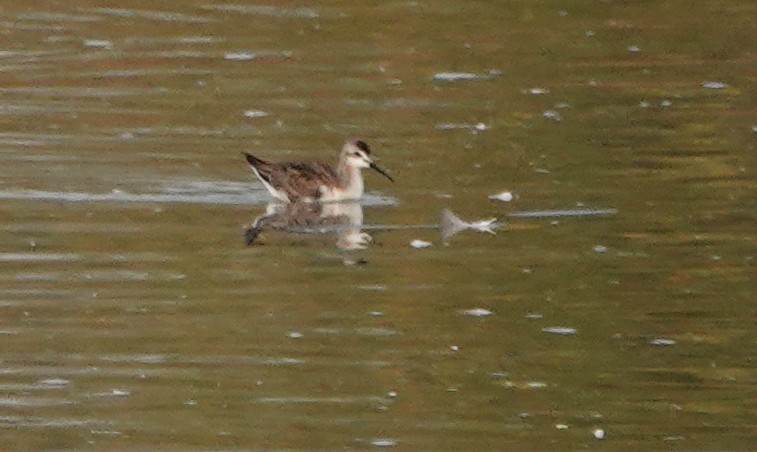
[{"x": 350, "y": 180}]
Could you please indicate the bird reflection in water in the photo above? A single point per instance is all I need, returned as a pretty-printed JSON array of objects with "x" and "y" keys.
[{"x": 345, "y": 219}]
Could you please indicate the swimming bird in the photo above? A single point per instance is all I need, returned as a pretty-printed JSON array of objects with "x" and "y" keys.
[{"x": 317, "y": 181}]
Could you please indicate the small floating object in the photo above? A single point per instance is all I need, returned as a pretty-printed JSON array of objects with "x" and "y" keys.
[
  {"x": 666, "y": 103},
  {"x": 600, "y": 249},
  {"x": 598, "y": 433},
  {"x": 553, "y": 115},
  {"x": 563, "y": 330},
  {"x": 662, "y": 341},
  {"x": 239, "y": 56},
  {"x": 419, "y": 244},
  {"x": 538, "y": 91},
  {"x": 454, "y": 348},
  {"x": 383, "y": 442},
  {"x": 476, "y": 312},
  {"x": 561, "y": 426},
  {"x": 295, "y": 334},
  {"x": 714, "y": 85},
  {"x": 505, "y": 196},
  {"x": 457, "y": 76},
  {"x": 634, "y": 49},
  {"x": 392, "y": 394},
  {"x": 101, "y": 43},
  {"x": 450, "y": 224},
  {"x": 255, "y": 114},
  {"x": 536, "y": 385},
  {"x": 120, "y": 393}
]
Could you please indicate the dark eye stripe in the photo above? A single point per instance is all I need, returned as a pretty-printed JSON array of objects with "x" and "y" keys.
[{"x": 363, "y": 146}]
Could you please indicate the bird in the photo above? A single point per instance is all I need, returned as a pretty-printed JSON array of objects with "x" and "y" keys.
[{"x": 317, "y": 181}]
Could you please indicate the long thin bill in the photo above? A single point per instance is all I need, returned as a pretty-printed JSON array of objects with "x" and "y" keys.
[{"x": 376, "y": 167}]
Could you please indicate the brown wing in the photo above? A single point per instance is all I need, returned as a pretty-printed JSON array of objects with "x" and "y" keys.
[{"x": 302, "y": 179}]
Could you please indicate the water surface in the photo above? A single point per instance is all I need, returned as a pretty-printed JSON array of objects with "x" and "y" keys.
[{"x": 617, "y": 295}]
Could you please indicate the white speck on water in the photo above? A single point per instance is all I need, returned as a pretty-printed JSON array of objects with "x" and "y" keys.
[
  {"x": 56, "y": 382},
  {"x": 674, "y": 438},
  {"x": 563, "y": 330},
  {"x": 458, "y": 76},
  {"x": 534, "y": 316},
  {"x": 714, "y": 85},
  {"x": 255, "y": 114},
  {"x": 538, "y": 91},
  {"x": 454, "y": 348},
  {"x": 662, "y": 341},
  {"x": 383, "y": 442},
  {"x": 505, "y": 196},
  {"x": 376, "y": 313},
  {"x": 553, "y": 115},
  {"x": 100, "y": 43},
  {"x": 239, "y": 56},
  {"x": 120, "y": 393},
  {"x": 294, "y": 335},
  {"x": 418, "y": 244},
  {"x": 666, "y": 103},
  {"x": 598, "y": 433},
  {"x": 481, "y": 126},
  {"x": 452, "y": 389},
  {"x": 599, "y": 249},
  {"x": 392, "y": 394},
  {"x": 476, "y": 312},
  {"x": 536, "y": 384},
  {"x": 561, "y": 426},
  {"x": 634, "y": 49}
]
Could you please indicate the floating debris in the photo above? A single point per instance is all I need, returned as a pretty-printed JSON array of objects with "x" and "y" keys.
[
  {"x": 536, "y": 385},
  {"x": 714, "y": 85},
  {"x": 450, "y": 224},
  {"x": 458, "y": 76},
  {"x": 295, "y": 334},
  {"x": 600, "y": 249},
  {"x": 239, "y": 56},
  {"x": 454, "y": 348},
  {"x": 383, "y": 442},
  {"x": 505, "y": 196},
  {"x": 598, "y": 433},
  {"x": 662, "y": 341},
  {"x": 419, "y": 244},
  {"x": 563, "y": 330},
  {"x": 476, "y": 312},
  {"x": 538, "y": 91},
  {"x": 553, "y": 115},
  {"x": 561, "y": 426},
  {"x": 100, "y": 43},
  {"x": 255, "y": 114}
]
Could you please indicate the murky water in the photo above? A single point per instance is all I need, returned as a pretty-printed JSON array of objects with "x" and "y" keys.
[{"x": 616, "y": 298}]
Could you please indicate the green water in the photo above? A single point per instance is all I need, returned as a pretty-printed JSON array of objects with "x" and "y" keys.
[{"x": 133, "y": 315}]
